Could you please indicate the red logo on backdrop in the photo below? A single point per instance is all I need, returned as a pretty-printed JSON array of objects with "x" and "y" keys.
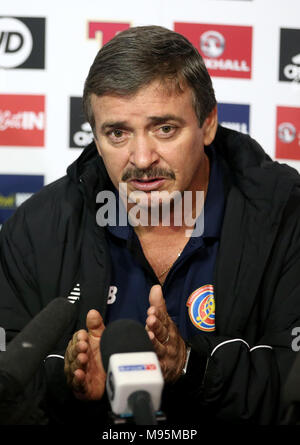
[
  {"x": 22, "y": 120},
  {"x": 226, "y": 50},
  {"x": 105, "y": 31},
  {"x": 288, "y": 133}
]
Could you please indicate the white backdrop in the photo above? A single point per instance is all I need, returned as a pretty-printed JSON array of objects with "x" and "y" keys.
[{"x": 69, "y": 53}]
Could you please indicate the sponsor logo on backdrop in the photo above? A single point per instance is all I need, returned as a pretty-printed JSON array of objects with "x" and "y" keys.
[
  {"x": 226, "y": 50},
  {"x": 289, "y": 66},
  {"x": 212, "y": 44},
  {"x": 22, "y": 42},
  {"x": 288, "y": 133},
  {"x": 80, "y": 130},
  {"x": 22, "y": 120},
  {"x": 105, "y": 31},
  {"x": 14, "y": 190},
  {"x": 234, "y": 116}
]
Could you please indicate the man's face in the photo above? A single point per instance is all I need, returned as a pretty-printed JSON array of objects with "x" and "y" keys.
[{"x": 152, "y": 140}]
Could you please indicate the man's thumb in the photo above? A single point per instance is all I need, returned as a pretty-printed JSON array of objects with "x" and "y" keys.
[
  {"x": 156, "y": 297},
  {"x": 94, "y": 323}
]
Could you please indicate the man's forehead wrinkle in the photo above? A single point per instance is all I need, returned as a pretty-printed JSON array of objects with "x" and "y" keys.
[{"x": 161, "y": 87}]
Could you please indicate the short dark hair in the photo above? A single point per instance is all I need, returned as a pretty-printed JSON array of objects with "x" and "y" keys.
[{"x": 136, "y": 57}]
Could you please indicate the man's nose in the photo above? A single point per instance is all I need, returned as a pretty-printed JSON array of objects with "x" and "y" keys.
[{"x": 143, "y": 152}]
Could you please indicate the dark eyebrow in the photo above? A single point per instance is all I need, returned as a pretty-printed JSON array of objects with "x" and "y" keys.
[
  {"x": 165, "y": 118},
  {"x": 114, "y": 124}
]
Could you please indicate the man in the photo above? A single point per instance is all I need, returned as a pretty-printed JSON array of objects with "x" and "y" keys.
[{"x": 219, "y": 305}]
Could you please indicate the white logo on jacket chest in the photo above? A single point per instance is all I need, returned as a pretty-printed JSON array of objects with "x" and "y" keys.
[
  {"x": 112, "y": 294},
  {"x": 74, "y": 294}
]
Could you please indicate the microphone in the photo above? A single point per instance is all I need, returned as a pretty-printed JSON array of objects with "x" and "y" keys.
[
  {"x": 26, "y": 352},
  {"x": 134, "y": 380}
]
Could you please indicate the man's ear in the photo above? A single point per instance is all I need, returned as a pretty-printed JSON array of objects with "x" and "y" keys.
[{"x": 210, "y": 127}]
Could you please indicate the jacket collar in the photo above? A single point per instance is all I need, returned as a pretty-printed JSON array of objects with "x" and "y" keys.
[{"x": 252, "y": 171}]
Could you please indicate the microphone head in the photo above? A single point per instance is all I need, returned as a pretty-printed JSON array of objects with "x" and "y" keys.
[
  {"x": 123, "y": 336},
  {"x": 28, "y": 349}
]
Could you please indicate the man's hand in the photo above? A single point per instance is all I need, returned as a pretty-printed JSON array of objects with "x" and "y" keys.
[
  {"x": 83, "y": 363},
  {"x": 168, "y": 344}
]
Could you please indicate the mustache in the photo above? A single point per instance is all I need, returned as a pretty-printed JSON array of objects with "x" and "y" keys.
[{"x": 139, "y": 173}]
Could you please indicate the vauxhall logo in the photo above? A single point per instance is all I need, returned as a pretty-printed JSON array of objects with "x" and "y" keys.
[
  {"x": 218, "y": 45},
  {"x": 22, "y": 41},
  {"x": 212, "y": 46},
  {"x": 288, "y": 133}
]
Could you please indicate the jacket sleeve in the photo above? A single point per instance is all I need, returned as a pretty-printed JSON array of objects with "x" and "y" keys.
[
  {"x": 19, "y": 297},
  {"x": 20, "y": 301},
  {"x": 245, "y": 382}
]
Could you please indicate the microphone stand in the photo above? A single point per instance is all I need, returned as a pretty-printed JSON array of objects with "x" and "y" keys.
[
  {"x": 142, "y": 411},
  {"x": 141, "y": 406}
]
